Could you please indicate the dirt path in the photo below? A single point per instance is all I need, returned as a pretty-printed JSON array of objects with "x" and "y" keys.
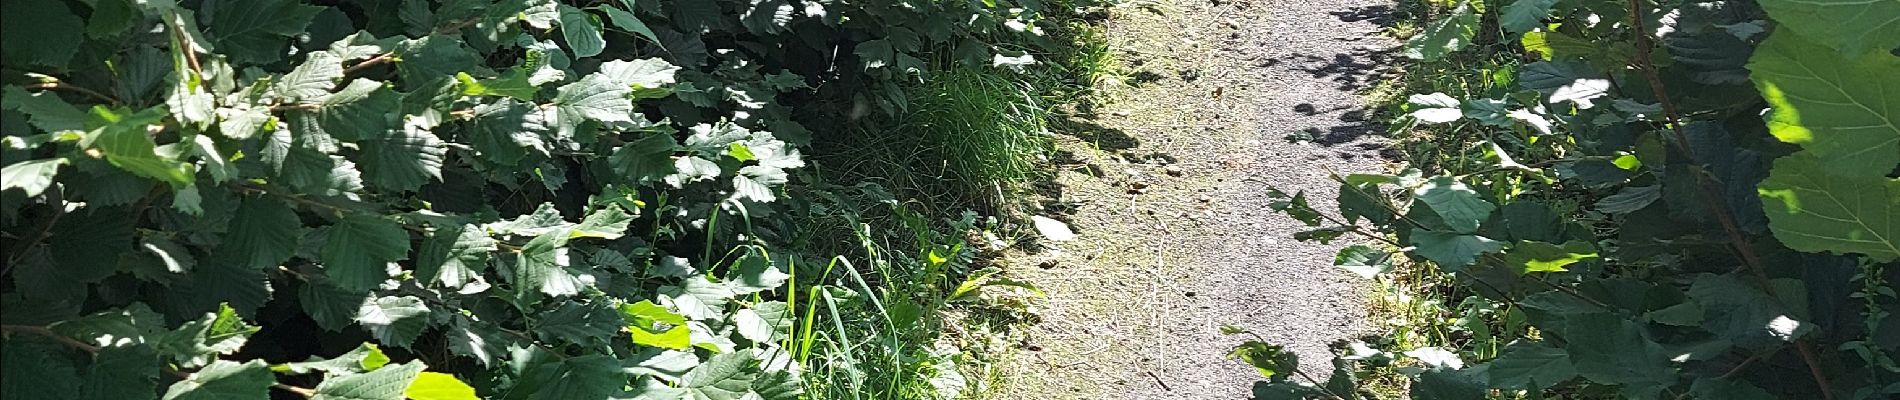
[{"x": 1136, "y": 303}]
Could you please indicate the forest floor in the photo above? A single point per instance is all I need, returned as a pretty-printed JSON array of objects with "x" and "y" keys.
[{"x": 1164, "y": 184}]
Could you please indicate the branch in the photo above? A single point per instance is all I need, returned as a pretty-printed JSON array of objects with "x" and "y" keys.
[
  {"x": 89, "y": 348},
  {"x": 1737, "y": 241},
  {"x": 75, "y": 89}
]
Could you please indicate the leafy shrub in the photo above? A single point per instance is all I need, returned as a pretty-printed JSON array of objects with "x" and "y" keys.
[
  {"x": 514, "y": 198},
  {"x": 1693, "y": 202}
]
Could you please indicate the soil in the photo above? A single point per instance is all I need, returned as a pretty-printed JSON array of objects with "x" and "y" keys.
[{"x": 1164, "y": 186}]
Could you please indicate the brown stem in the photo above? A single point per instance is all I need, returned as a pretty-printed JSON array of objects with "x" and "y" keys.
[
  {"x": 373, "y": 61},
  {"x": 89, "y": 348},
  {"x": 75, "y": 89},
  {"x": 1737, "y": 242}
]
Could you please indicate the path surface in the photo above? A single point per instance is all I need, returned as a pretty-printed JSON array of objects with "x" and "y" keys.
[{"x": 1136, "y": 303}]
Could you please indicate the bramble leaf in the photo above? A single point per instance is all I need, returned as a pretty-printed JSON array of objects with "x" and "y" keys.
[{"x": 225, "y": 380}]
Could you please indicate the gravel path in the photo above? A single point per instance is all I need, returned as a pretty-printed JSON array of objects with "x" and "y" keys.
[{"x": 1164, "y": 186}]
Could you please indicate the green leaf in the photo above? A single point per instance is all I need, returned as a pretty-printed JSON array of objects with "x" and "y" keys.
[
  {"x": 1269, "y": 359},
  {"x": 439, "y": 386},
  {"x": 360, "y": 112},
  {"x": 1435, "y": 108},
  {"x": 110, "y": 17},
  {"x": 585, "y": 324},
  {"x": 386, "y": 383},
  {"x": 313, "y": 79},
  {"x": 585, "y": 377},
  {"x": 627, "y": 21},
  {"x": 30, "y": 176},
  {"x": 126, "y": 144},
  {"x": 645, "y": 73},
  {"x": 698, "y": 298},
  {"x": 263, "y": 232},
  {"x": 1447, "y": 385},
  {"x": 510, "y": 84},
  {"x": 1458, "y": 205},
  {"x": 1574, "y": 82},
  {"x": 454, "y": 255},
  {"x": 44, "y": 110},
  {"x": 646, "y": 159},
  {"x": 394, "y": 321},
  {"x": 1523, "y": 15},
  {"x": 1851, "y": 27},
  {"x": 39, "y": 32},
  {"x": 403, "y": 160},
  {"x": 763, "y": 323},
  {"x": 366, "y": 357},
  {"x": 1810, "y": 209},
  {"x": 609, "y": 222},
  {"x": 1444, "y": 36},
  {"x": 330, "y": 306},
  {"x": 1611, "y": 350},
  {"x": 756, "y": 273},
  {"x": 1839, "y": 109},
  {"x": 135, "y": 324},
  {"x": 259, "y": 32},
  {"x": 1738, "y": 312},
  {"x": 1530, "y": 366},
  {"x": 119, "y": 373},
  {"x": 508, "y": 131},
  {"x": 35, "y": 372},
  {"x": 581, "y": 30},
  {"x": 1363, "y": 260},
  {"x": 1452, "y": 251},
  {"x": 87, "y": 244},
  {"x": 726, "y": 376},
  {"x": 595, "y": 97},
  {"x": 433, "y": 57},
  {"x": 542, "y": 265},
  {"x": 225, "y": 380},
  {"x": 358, "y": 249},
  {"x": 652, "y": 325},
  {"x": 1528, "y": 256}
]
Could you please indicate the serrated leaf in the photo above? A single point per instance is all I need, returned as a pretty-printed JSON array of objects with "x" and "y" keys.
[
  {"x": 627, "y": 21},
  {"x": 645, "y": 73},
  {"x": 225, "y": 380},
  {"x": 1529, "y": 256},
  {"x": 439, "y": 386},
  {"x": 330, "y": 306},
  {"x": 1448, "y": 34},
  {"x": 1849, "y": 27},
  {"x": 454, "y": 255},
  {"x": 404, "y": 159},
  {"x": 394, "y": 321},
  {"x": 366, "y": 357},
  {"x": 259, "y": 33},
  {"x": 44, "y": 110},
  {"x": 1452, "y": 251},
  {"x": 1530, "y": 365},
  {"x": 585, "y": 377},
  {"x": 36, "y": 372},
  {"x": 1810, "y": 209},
  {"x": 124, "y": 141},
  {"x": 585, "y": 324},
  {"x": 118, "y": 373},
  {"x": 581, "y": 30},
  {"x": 698, "y": 298},
  {"x": 510, "y": 84},
  {"x": 433, "y": 57},
  {"x": 542, "y": 264},
  {"x": 595, "y": 97},
  {"x": 263, "y": 232},
  {"x": 357, "y": 251},
  {"x": 652, "y": 325},
  {"x": 30, "y": 176},
  {"x": 1839, "y": 109},
  {"x": 1523, "y": 15},
  {"x": 387, "y": 383},
  {"x": 1457, "y": 204},
  {"x": 755, "y": 273},
  {"x": 1574, "y": 82},
  {"x": 1363, "y": 260},
  {"x": 1435, "y": 108},
  {"x": 649, "y": 158},
  {"x": 39, "y": 32},
  {"x": 726, "y": 376},
  {"x": 311, "y": 80},
  {"x": 359, "y": 112}
]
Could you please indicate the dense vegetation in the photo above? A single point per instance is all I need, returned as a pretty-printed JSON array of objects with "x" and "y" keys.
[
  {"x": 1634, "y": 199},
  {"x": 457, "y": 198}
]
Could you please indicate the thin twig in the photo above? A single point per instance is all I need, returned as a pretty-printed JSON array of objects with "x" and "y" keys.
[
  {"x": 373, "y": 61},
  {"x": 61, "y": 86},
  {"x": 1737, "y": 241}
]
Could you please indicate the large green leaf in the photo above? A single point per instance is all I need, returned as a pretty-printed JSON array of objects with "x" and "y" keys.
[
  {"x": 653, "y": 325},
  {"x": 395, "y": 321},
  {"x": 121, "y": 373},
  {"x": 648, "y": 158},
  {"x": 1458, "y": 205},
  {"x": 225, "y": 380},
  {"x": 35, "y": 372},
  {"x": 586, "y": 377},
  {"x": 727, "y": 376},
  {"x": 1529, "y": 256},
  {"x": 387, "y": 383},
  {"x": 454, "y": 255},
  {"x": 39, "y": 32},
  {"x": 259, "y": 32},
  {"x": 1523, "y": 15},
  {"x": 1609, "y": 349},
  {"x": 1850, "y": 26},
  {"x": 359, "y": 112},
  {"x": 1842, "y": 110},
  {"x": 404, "y": 159},
  {"x": 263, "y": 233},
  {"x": 595, "y": 97},
  {"x": 439, "y": 386},
  {"x": 1810, "y": 209},
  {"x": 541, "y": 265},
  {"x": 313, "y": 79},
  {"x": 1452, "y": 251},
  {"x": 1530, "y": 365},
  {"x": 585, "y": 324},
  {"x": 30, "y": 176},
  {"x": 357, "y": 251},
  {"x": 581, "y": 30},
  {"x": 125, "y": 140},
  {"x": 1446, "y": 35}
]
